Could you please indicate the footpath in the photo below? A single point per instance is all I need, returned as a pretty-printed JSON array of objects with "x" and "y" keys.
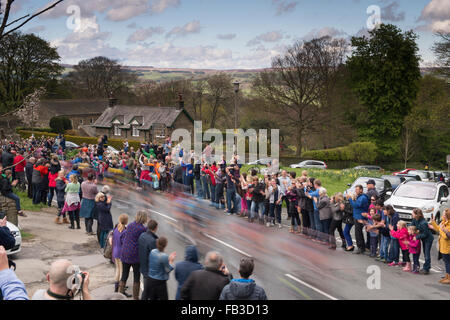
[{"x": 50, "y": 242}]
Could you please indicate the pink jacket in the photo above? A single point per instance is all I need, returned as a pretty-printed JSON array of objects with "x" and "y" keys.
[
  {"x": 402, "y": 236},
  {"x": 414, "y": 245}
]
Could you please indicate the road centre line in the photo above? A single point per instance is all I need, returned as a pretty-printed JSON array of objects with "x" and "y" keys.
[
  {"x": 162, "y": 214},
  {"x": 311, "y": 287},
  {"x": 227, "y": 245}
]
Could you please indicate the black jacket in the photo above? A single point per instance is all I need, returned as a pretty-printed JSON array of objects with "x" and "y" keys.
[
  {"x": 146, "y": 243},
  {"x": 5, "y": 185},
  {"x": 243, "y": 290},
  {"x": 197, "y": 169},
  {"x": 6, "y": 238},
  {"x": 7, "y": 159},
  {"x": 204, "y": 284},
  {"x": 29, "y": 171}
]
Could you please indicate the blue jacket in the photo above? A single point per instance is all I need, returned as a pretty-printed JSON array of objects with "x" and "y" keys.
[
  {"x": 243, "y": 289},
  {"x": 314, "y": 194},
  {"x": 183, "y": 269},
  {"x": 360, "y": 205},
  {"x": 424, "y": 231},
  {"x": 11, "y": 287},
  {"x": 146, "y": 243},
  {"x": 158, "y": 265}
]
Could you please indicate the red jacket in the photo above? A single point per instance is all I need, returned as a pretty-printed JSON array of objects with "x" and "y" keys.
[
  {"x": 21, "y": 166},
  {"x": 208, "y": 172},
  {"x": 402, "y": 236},
  {"x": 414, "y": 245},
  {"x": 52, "y": 179}
]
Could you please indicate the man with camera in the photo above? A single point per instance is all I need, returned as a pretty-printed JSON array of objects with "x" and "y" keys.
[{"x": 66, "y": 283}]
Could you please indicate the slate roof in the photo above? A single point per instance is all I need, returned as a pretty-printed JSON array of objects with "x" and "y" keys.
[
  {"x": 61, "y": 107},
  {"x": 144, "y": 115}
]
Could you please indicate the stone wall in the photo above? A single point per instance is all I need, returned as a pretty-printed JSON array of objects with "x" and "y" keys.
[{"x": 8, "y": 206}]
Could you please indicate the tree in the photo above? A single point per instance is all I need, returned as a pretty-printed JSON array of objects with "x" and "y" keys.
[
  {"x": 385, "y": 72},
  {"x": 4, "y": 13},
  {"x": 100, "y": 76},
  {"x": 27, "y": 62},
  {"x": 300, "y": 83},
  {"x": 442, "y": 51},
  {"x": 29, "y": 112},
  {"x": 220, "y": 91},
  {"x": 60, "y": 124}
]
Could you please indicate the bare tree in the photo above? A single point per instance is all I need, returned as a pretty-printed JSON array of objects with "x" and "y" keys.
[
  {"x": 300, "y": 81},
  {"x": 442, "y": 51},
  {"x": 30, "y": 109},
  {"x": 23, "y": 20},
  {"x": 220, "y": 90}
]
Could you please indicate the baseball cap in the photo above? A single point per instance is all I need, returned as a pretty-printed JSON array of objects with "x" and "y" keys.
[{"x": 371, "y": 181}]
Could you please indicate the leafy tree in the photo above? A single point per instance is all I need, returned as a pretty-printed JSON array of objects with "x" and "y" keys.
[
  {"x": 60, "y": 124},
  {"x": 100, "y": 76},
  {"x": 27, "y": 62},
  {"x": 385, "y": 72}
]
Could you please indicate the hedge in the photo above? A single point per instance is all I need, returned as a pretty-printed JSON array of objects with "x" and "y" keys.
[
  {"x": 360, "y": 152},
  {"x": 34, "y": 129},
  {"x": 116, "y": 143}
]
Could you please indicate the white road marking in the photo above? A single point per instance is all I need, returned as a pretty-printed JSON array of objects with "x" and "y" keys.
[
  {"x": 311, "y": 287},
  {"x": 228, "y": 245},
  {"x": 162, "y": 214}
]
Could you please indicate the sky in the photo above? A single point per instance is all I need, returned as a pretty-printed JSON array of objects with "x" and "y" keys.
[{"x": 217, "y": 34}]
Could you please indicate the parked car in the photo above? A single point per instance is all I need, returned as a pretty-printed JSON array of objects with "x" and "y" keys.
[
  {"x": 376, "y": 168},
  {"x": 263, "y": 161},
  {"x": 383, "y": 186},
  {"x": 394, "y": 180},
  {"x": 428, "y": 196},
  {"x": 71, "y": 145},
  {"x": 16, "y": 233},
  {"x": 310, "y": 164},
  {"x": 403, "y": 171},
  {"x": 409, "y": 177},
  {"x": 111, "y": 149},
  {"x": 424, "y": 175}
]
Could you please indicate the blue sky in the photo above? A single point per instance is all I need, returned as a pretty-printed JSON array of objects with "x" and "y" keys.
[{"x": 216, "y": 34}]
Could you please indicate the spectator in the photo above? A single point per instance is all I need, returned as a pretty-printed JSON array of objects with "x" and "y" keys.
[
  {"x": 11, "y": 288},
  {"x": 444, "y": 242},
  {"x": 360, "y": 204},
  {"x": 60, "y": 185},
  {"x": 425, "y": 236},
  {"x": 72, "y": 204},
  {"x": 116, "y": 250},
  {"x": 207, "y": 284},
  {"x": 183, "y": 269},
  {"x": 325, "y": 214},
  {"x": 338, "y": 209},
  {"x": 89, "y": 191},
  {"x": 105, "y": 222},
  {"x": 40, "y": 170},
  {"x": 19, "y": 169},
  {"x": 6, "y": 189},
  {"x": 61, "y": 273},
  {"x": 414, "y": 248},
  {"x": 130, "y": 253},
  {"x": 53, "y": 170},
  {"x": 146, "y": 243},
  {"x": 29, "y": 175},
  {"x": 392, "y": 218},
  {"x": 244, "y": 288},
  {"x": 402, "y": 236},
  {"x": 275, "y": 198},
  {"x": 160, "y": 266}
]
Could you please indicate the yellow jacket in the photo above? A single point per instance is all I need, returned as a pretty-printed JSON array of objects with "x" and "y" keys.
[{"x": 444, "y": 241}]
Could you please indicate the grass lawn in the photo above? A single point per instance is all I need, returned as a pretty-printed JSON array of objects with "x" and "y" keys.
[
  {"x": 332, "y": 180},
  {"x": 26, "y": 203},
  {"x": 26, "y": 236}
]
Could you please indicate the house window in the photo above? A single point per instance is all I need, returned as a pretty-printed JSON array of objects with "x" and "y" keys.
[
  {"x": 92, "y": 120},
  {"x": 161, "y": 133},
  {"x": 117, "y": 131},
  {"x": 81, "y": 121},
  {"x": 135, "y": 132}
]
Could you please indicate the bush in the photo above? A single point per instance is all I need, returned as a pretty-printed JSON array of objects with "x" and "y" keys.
[
  {"x": 361, "y": 152},
  {"x": 60, "y": 124},
  {"x": 116, "y": 143},
  {"x": 35, "y": 129}
]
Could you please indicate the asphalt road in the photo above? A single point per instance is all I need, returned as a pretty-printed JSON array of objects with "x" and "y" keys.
[{"x": 287, "y": 266}]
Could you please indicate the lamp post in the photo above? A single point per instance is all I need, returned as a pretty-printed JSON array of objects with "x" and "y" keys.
[{"x": 236, "y": 91}]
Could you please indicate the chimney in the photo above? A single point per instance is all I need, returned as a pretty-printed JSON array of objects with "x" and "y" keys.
[
  {"x": 180, "y": 105},
  {"x": 112, "y": 101}
]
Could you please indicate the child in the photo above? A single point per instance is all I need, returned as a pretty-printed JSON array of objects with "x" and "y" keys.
[
  {"x": 72, "y": 204},
  {"x": 414, "y": 248},
  {"x": 373, "y": 232},
  {"x": 60, "y": 187},
  {"x": 402, "y": 235}
]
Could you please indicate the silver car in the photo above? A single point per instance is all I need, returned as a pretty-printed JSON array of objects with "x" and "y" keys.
[
  {"x": 310, "y": 164},
  {"x": 17, "y": 236}
]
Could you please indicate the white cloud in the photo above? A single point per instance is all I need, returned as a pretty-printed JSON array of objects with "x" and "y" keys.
[
  {"x": 388, "y": 13},
  {"x": 284, "y": 6},
  {"x": 437, "y": 15},
  {"x": 144, "y": 34},
  {"x": 159, "y": 6},
  {"x": 36, "y": 29},
  {"x": 326, "y": 31},
  {"x": 188, "y": 28},
  {"x": 272, "y": 36},
  {"x": 229, "y": 36}
]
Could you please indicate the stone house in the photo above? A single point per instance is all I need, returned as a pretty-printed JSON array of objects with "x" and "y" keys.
[{"x": 142, "y": 123}]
